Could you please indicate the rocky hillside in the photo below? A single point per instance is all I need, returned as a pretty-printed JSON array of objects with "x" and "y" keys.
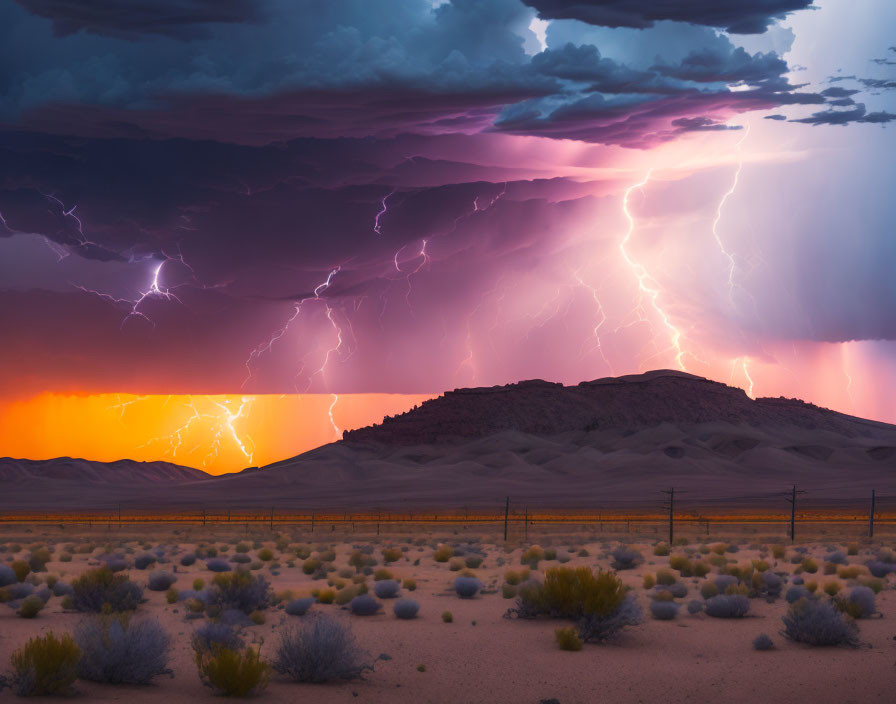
[{"x": 627, "y": 403}]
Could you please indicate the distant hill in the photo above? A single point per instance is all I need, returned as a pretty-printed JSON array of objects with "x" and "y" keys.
[
  {"x": 88, "y": 472},
  {"x": 604, "y": 443},
  {"x": 627, "y": 403}
]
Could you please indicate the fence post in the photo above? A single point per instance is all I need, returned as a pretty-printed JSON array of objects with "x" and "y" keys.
[
  {"x": 506, "y": 513},
  {"x": 871, "y": 517}
]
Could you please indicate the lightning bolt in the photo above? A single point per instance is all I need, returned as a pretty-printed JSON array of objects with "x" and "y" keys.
[
  {"x": 377, "y": 228},
  {"x": 732, "y": 264},
  {"x": 647, "y": 285},
  {"x": 601, "y": 319},
  {"x": 336, "y": 429},
  {"x": 298, "y": 306},
  {"x": 219, "y": 418}
]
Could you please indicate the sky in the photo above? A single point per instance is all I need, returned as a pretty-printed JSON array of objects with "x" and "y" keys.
[{"x": 231, "y": 229}]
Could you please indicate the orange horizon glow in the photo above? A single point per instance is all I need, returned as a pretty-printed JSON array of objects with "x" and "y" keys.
[{"x": 216, "y": 433}]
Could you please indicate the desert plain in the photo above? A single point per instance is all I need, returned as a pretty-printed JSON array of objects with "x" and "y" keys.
[{"x": 481, "y": 655}]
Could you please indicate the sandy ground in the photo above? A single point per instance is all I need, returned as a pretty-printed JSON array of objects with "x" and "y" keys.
[{"x": 484, "y": 657}]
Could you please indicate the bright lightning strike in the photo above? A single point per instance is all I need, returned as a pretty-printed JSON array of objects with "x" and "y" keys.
[
  {"x": 732, "y": 264},
  {"x": 377, "y": 228},
  {"x": 647, "y": 285}
]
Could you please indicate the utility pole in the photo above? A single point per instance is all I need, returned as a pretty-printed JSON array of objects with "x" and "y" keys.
[
  {"x": 671, "y": 506},
  {"x": 527, "y": 524},
  {"x": 272, "y": 518},
  {"x": 312, "y": 521},
  {"x": 119, "y": 514},
  {"x": 871, "y": 517},
  {"x": 792, "y": 500},
  {"x": 506, "y": 513}
]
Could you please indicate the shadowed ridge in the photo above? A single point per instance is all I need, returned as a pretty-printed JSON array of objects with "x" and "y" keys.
[
  {"x": 62, "y": 469},
  {"x": 627, "y": 403}
]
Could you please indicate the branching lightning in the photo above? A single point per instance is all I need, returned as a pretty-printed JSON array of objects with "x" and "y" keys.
[
  {"x": 647, "y": 285},
  {"x": 732, "y": 264}
]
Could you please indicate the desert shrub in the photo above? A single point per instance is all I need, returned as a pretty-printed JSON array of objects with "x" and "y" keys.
[
  {"x": 467, "y": 587},
  {"x": 311, "y": 565},
  {"x": 232, "y": 673},
  {"x": 818, "y": 623},
  {"x": 211, "y": 636},
  {"x": 598, "y": 603},
  {"x": 831, "y": 588},
  {"x": 472, "y": 561},
  {"x": 406, "y": 608},
  {"x": 31, "y": 606},
  {"x": 443, "y": 553},
  {"x": 447, "y": 617},
  {"x": 809, "y": 565},
  {"x": 880, "y": 568},
  {"x": 679, "y": 562},
  {"x": 19, "y": 590},
  {"x": 62, "y": 589},
  {"x": 455, "y": 564},
  {"x": 778, "y": 551},
  {"x": 171, "y": 596},
  {"x": 812, "y": 587},
  {"x": 324, "y": 650},
  {"x": 364, "y": 605},
  {"x": 38, "y": 560},
  {"x": 851, "y": 572},
  {"x": 257, "y": 617},
  {"x": 241, "y": 591},
  {"x": 141, "y": 562},
  {"x": 7, "y": 576},
  {"x": 512, "y": 577},
  {"x": 45, "y": 665},
  {"x": 21, "y": 569},
  {"x": 662, "y": 595},
  {"x": 874, "y": 584},
  {"x": 677, "y": 590},
  {"x": 625, "y": 559},
  {"x": 852, "y": 549},
  {"x": 160, "y": 581},
  {"x": 695, "y": 606},
  {"x": 771, "y": 584},
  {"x": 326, "y": 555},
  {"x": 409, "y": 584},
  {"x": 762, "y": 642},
  {"x": 242, "y": 547},
  {"x": 708, "y": 590},
  {"x": 649, "y": 581},
  {"x": 120, "y": 650},
  {"x": 299, "y": 607},
  {"x": 99, "y": 588},
  {"x": 217, "y": 564},
  {"x": 665, "y": 577},
  {"x": 387, "y": 589},
  {"x": 382, "y": 574},
  {"x": 391, "y": 555},
  {"x": 727, "y": 606},
  {"x": 700, "y": 569},
  {"x": 188, "y": 559},
  {"x": 663, "y": 610},
  {"x": 795, "y": 593},
  {"x": 837, "y": 557},
  {"x": 860, "y": 603},
  {"x": 65, "y": 557},
  {"x": 719, "y": 548},
  {"x": 532, "y": 556},
  {"x": 661, "y": 549},
  {"x": 325, "y": 596},
  {"x": 265, "y": 555},
  {"x": 568, "y": 638}
]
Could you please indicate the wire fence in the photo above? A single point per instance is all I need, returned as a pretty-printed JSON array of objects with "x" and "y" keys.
[{"x": 674, "y": 514}]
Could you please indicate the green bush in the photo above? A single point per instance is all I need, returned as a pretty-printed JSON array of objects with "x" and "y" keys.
[
  {"x": 447, "y": 617},
  {"x": 382, "y": 574},
  {"x": 391, "y": 555},
  {"x": 311, "y": 565},
  {"x": 101, "y": 590},
  {"x": 232, "y": 673},
  {"x": 508, "y": 591},
  {"x": 568, "y": 638},
  {"x": 265, "y": 555},
  {"x": 443, "y": 553},
  {"x": 31, "y": 606},
  {"x": 661, "y": 550},
  {"x": 809, "y": 565},
  {"x": 568, "y": 592},
  {"x": 409, "y": 584},
  {"x": 21, "y": 568},
  {"x": 46, "y": 665}
]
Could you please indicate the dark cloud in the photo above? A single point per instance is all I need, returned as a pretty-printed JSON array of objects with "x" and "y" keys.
[
  {"x": 701, "y": 124},
  {"x": 712, "y": 65},
  {"x": 844, "y": 117},
  {"x": 838, "y": 92},
  {"x": 734, "y": 16},
  {"x": 178, "y": 19},
  {"x": 775, "y": 117}
]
